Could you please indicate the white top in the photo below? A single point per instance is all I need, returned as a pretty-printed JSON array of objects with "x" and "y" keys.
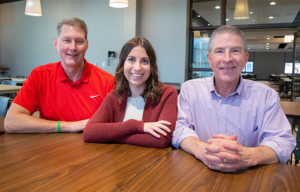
[{"x": 134, "y": 108}]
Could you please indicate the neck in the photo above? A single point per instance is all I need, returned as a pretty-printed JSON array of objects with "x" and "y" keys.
[
  {"x": 225, "y": 89},
  {"x": 136, "y": 91},
  {"x": 74, "y": 73}
]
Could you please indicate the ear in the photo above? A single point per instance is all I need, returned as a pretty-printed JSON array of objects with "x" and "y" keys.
[
  {"x": 55, "y": 43},
  {"x": 208, "y": 58},
  {"x": 247, "y": 56},
  {"x": 87, "y": 45}
]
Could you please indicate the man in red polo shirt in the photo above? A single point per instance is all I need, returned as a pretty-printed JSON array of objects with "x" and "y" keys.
[{"x": 66, "y": 93}]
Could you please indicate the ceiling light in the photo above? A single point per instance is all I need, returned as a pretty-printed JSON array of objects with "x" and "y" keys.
[
  {"x": 241, "y": 10},
  {"x": 251, "y": 12},
  {"x": 199, "y": 16},
  {"x": 118, "y": 3},
  {"x": 288, "y": 38},
  {"x": 208, "y": 24},
  {"x": 271, "y": 17},
  {"x": 253, "y": 20},
  {"x": 268, "y": 38},
  {"x": 272, "y": 3},
  {"x": 227, "y": 19},
  {"x": 33, "y": 8},
  {"x": 267, "y": 48},
  {"x": 217, "y": 7},
  {"x": 267, "y": 43}
]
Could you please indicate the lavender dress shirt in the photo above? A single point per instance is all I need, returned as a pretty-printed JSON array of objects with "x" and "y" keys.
[{"x": 252, "y": 112}]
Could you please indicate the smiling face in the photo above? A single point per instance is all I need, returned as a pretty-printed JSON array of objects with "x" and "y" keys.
[
  {"x": 71, "y": 46},
  {"x": 137, "y": 70},
  {"x": 227, "y": 59}
]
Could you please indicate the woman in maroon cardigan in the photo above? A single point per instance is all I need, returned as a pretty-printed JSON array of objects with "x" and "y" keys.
[{"x": 140, "y": 110}]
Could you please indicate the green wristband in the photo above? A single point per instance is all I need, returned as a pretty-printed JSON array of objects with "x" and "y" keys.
[{"x": 58, "y": 126}]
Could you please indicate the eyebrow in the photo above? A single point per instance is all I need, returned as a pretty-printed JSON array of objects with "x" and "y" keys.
[
  {"x": 135, "y": 57},
  {"x": 234, "y": 47}
]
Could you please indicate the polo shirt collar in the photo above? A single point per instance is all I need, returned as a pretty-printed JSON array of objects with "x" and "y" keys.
[
  {"x": 84, "y": 76},
  {"x": 237, "y": 91}
]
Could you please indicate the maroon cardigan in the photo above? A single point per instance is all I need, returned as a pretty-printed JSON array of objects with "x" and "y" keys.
[{"x": 106, "y": 124}]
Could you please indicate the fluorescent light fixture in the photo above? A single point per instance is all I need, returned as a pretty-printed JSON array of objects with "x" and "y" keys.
[
  {"x": 251, "y": 12},
  {"x": 267, "y": 48},
  {"x": 272, "y": 3},
  {"x": 33, "y": 8},
  {"x": 208, "y": 24},
  {"x": 268, "y": 38},
  {"x": 217, "y": 7},
  {"x": 227, "y": 19},
  {"x": 241, "y": 10},
  {"x": 199, "y": 16},
  {"x": 118, "y": 3},
  {"x": 271, "y": 17},
  {"x": 267, "y": 43},
  {"x": 288, "y": 38}
]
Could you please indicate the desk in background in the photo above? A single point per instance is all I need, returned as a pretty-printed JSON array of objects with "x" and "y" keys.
[{"x": 9, "y": 89}]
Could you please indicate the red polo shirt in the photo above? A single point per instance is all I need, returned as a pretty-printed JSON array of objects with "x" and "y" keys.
[{"x": 49, "y": 90}]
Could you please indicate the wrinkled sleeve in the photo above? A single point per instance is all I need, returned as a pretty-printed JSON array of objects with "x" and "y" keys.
[
  {"x": 185, "y": 123},
  {"x": 102, "y": 126},
  {"x": 276, "y": 131}
]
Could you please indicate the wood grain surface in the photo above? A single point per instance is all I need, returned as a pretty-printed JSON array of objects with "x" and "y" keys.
[
  {"x": 63, "y": 162},
  {"x": 290, "y": 109},
  {"x": 180, "y": 171}
]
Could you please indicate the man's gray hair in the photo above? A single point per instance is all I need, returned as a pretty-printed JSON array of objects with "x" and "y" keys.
[
  {"x": 73, "y": 22},
  {"x": 228, "y": 29}
]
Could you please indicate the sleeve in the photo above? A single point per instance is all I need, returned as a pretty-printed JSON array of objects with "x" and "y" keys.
[
  {"x": 276, "y": 130},
  {"x": 168, "y": 113},
  {"x": 185, "y": 123},
  {"x": 102, "y": 126},
  {"x": 28, "y": 95}
]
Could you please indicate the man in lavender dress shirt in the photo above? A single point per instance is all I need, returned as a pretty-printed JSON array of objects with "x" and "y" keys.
[{"x": 227, "y": 122}]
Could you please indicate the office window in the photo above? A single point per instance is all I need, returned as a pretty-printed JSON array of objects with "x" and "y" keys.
[{"x": 248, "y": 68}]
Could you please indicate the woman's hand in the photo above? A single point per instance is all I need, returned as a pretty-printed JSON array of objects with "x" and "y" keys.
[{"x": 157, "y": 127}]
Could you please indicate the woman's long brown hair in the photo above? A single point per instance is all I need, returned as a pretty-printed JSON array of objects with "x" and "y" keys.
[{"x": 153, "y": 85}]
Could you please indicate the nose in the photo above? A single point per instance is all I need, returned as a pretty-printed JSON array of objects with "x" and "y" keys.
[
  {"x": 137, "y": 66},
  {"x": 227, "y": 57},
  {"x": 73, "y": 45}
]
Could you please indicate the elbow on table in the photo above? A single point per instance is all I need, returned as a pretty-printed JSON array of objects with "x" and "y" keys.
[{"x": 8, "y": 126}]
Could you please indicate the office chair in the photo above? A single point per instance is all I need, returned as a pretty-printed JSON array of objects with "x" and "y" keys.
[
  {"x": 8, "y": 82},
  {"x": 3, "y": 105}
]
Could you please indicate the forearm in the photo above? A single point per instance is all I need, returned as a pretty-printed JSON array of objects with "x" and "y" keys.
[
  {"x": 24, "y": 123},
  {"x": 261, "y": 155},
  {"x": 105, "y": 132},
  {"x": 19, "y": 120},
  {"x": 194, "y": 146}
]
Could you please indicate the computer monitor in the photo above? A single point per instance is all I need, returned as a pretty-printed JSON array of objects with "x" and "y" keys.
[{"x": 288, "y": 67}]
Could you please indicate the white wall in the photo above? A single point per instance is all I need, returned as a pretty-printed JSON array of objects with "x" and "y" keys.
[
  {"x": 164, "y": 24},
  {"x": 27, "y": 42}
]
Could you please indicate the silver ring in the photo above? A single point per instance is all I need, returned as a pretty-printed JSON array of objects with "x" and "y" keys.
[{"x": 224, "y": 160}]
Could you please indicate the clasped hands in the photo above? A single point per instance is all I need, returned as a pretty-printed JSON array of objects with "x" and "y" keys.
[{"x": 225, "y": 154}]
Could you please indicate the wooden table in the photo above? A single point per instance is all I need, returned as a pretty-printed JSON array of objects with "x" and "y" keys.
[
  {"x": 21, "y": 80},
  {"x": 9, "y": 89},
  {"x": 63, "y": 162},
  {"x": 180, "y": 171}
]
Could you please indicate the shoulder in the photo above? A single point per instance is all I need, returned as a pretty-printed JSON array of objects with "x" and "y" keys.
[
  {"x": 168, "y": 89},
  {"x": 50, "y": 67},
  {"x": 196, "y": 85},
  {"x": 254, "y": 86},
  {"x": 101, "y": 73}
]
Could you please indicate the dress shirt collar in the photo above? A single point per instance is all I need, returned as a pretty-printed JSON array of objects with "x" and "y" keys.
[{"x": 237, "y": 91}]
